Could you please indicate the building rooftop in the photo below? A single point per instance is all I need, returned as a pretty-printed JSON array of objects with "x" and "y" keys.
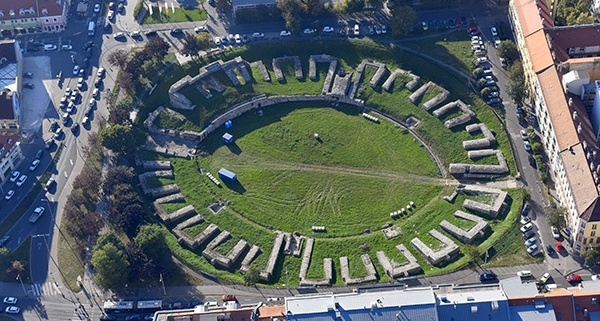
[
  {"x": 567, "y": 37},
  {"x": 579, "y": 175},
  {"x": 558, "y": 110},
  {"x": 540, "y": 312},
  {"x": 515, "y": 288},
  {"x": 24, "y": 9},
  {"x": 251, "y": 3},
  {"x": 539, "y": 53},
  {"x": 529, "y": 13}
]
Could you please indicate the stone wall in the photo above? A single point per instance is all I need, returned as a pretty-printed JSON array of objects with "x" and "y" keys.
[
  {"x": 371, "y": 272},
  {"x": 439, "y": 257},
  {"x": 266, "y": 274},
  {"x": 393, "y": 269}
]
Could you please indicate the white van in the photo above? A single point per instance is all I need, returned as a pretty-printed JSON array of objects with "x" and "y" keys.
[
  {"x": 551, "y": 286},
  {"x": 524, "y": 274}
]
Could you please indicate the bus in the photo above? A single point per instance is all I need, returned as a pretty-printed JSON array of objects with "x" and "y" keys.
[
  {"x": 148, "y": 305},
  {"x": 111, "y": 307}
]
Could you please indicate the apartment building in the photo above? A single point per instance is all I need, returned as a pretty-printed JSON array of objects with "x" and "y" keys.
[
  {"x": 561, "y": 65},
  {"x": 31, "y": 16}
]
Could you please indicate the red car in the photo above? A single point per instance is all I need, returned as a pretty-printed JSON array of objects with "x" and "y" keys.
[
  {"x": 574, "y": 278},
  {"x": 228, "y": 297},
  {"x": 560, "y": 247},
  {"x": 472, "y": 30}
]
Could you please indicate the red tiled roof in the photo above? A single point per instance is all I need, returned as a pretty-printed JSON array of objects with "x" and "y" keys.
[
  {"x": 530, "y": 14},
  {"x": 564, "y": 38},
  {"x": 53, "y": 8},
  {"x": 539, "y": 53}
]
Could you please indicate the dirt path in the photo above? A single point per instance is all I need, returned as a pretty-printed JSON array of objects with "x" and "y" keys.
[{"x": 363, "y": 172}]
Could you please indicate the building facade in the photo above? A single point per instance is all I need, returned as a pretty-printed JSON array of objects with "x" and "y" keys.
[
  {"x": 31, "y": 16},
  {"x": 560, "y": 66}
]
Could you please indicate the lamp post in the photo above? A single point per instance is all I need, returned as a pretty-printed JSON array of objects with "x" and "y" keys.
[
  {"x": 22, "y": 285},
  {"x": 163, "y": 285}
]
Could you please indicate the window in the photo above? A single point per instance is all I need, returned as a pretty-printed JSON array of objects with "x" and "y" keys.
[
  {"x": 591, "y": 241},
  {"x": 594, "y": 226},
  {"x": 593, "y": 233}
]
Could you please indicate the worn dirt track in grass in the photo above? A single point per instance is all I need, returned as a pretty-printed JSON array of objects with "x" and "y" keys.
[{"x": 365, "y": 172}]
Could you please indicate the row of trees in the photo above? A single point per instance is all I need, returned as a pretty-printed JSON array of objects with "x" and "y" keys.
[
  {"x": 118, "y": 263},
  {"x": 573, "y": 12}
]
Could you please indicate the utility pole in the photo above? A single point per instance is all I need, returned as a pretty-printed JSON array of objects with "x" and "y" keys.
[
  {"x": 485, "y": 260},
  {"x": 22, "y": 285}
]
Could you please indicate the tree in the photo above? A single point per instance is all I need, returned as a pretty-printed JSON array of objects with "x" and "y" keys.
[
  {"x": 142, "y": 268},
  {"x": 291, "y": 11},
  {"x": 312, "y": 8},
  {"x": 16, "y": 268},
  {"x": 556, "y": 216},
  {"x": 591, "y": 255},
  {"x": 127, "y": 81},
  {"x": 117, "y": 175},
  {"x": 203, "y": 41},
  {"x": 486, "y": 91},
  {"x": 403, "y": 20},
  {"x": 118, "y": 58},
  {"x": 151, "y": 240},
  {"x": 252, "y": 276},
  {"x": 117, "y": 138},
  {"x": 516, "y": 86},
  {"x": 109, "y": 238},
  {"x": 156, "y": 47},
  {"x": 112, "y": 266},
  {"x": 190, "y": 46},
  {"x": 508, "y": 50}
]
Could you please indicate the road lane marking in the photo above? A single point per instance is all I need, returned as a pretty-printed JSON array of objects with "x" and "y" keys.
[
  {"x": 71, "y": 161},
  {"x": 66, "y": 175}
]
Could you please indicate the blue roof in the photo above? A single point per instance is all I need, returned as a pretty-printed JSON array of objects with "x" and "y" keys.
[{"x": 425, "y": 312}]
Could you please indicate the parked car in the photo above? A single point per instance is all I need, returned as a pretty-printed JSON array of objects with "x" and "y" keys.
[
  {"x": 228, "y": 297},
  {"x": 574, "y": 278},
  {"x": 48, "y": 143},
  {"x": 28, "y": 85},
  {"x": 527, "y": 146},
  {"x": 529, "y": 234},
  {"x": 28, "y": 75},
  {"x": 75, "y": 127},
  {"x": 151, "y": 33},
  {"x": 285, "y": 33},
  {"x": 526, "y": 227},
  {"x": 200, "y": 29},
  {"x": 119, "y": 36},
  {"x": 97, "y": 7},
  {"x": 100, "y": 73},
  {"x": 76, "y": 70},
  {"x": 494, "y": 31},
  {"x": 39, "y": 154},
  {"x": 531, "y": 241},
  {"x": 66, "y": 47},
  {"x": 524, "y": 134},
  {"x": 96, "y": 93},
  {"x": 550, "y": 250},
  {"x": 9, "y": 194},
  {"x": 494, "y": 101},
  {"x": 525, "y": 220},
  {"x": 545, "y": 278},
  {"x": 555, "y": 232},
  {"x": 10, "y": 300},
  {"x": 356, "y": 30},
  {"x": 258, "y": 35},
  {"x": 486, "y": 277},
  {"x": 328, "y": 29},
  {"x": 50, "y": 47},
  {"x": 531, "y": 160},
  {"x": 526, "y": 209},
  {"x": 524, "y": 274}
]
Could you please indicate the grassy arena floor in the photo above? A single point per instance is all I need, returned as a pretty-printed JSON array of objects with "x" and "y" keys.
[{"x": 349, "y": 182}]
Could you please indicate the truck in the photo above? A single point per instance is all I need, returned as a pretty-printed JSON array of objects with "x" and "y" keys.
[{"x": 91, "y": 29}]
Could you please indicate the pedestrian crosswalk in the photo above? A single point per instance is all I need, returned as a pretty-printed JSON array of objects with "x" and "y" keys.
[{"x": 46, "y": 288}]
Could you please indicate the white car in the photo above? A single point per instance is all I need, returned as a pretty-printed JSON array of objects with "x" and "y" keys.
[
  {"x": 531, "y": 241},
  {"x": 238, "y": 39},
  {"x": 36, "y": 214},
  {"x": 21, "y": 180},
  {"x": 482, "y": 60},
  {"x": 10, "y": 300},
  {"x": 9, "y": 195},
  {"x": 526, "y": 227},
  {"x": 524, "y": 274},
  {"x": 309, "y": 31},
  {"x": 14, "y": 176},
  {"x": 66, "y": 47},
  {"x": 100, "y": 73},
  {"x": 524, "y": 135},
  {"x": 97, "y": 7},
  {"x": 96, "y": 93},
  {"x": 555, "y": 233},
  {"x": 494, "y": 32},
  {"x": 525, "y": 220},
  {"x": 328, "y": 29},
  {"x": 258, "y": 35},
  {"x": 34, "y": 165},
  {"x": 12, "y": 309},
  {"x": 76, "y": 70},
  {"x": 532, "y": 249},
  {"x": 119, "y": 35},
  {"x": 356, "y": 30},
  {"x": 545, "y": 278},
  {"x": 217, "y": 41},
  {"x": 50, "y": 47},
  {"x": 200, "y": 29},
  {"x": 285, "y": 33}
]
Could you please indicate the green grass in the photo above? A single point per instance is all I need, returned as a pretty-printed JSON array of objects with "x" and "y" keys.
[
  {"x": 21, "y": 254},
  {"x": 69, "y": 260},
  {"x": 180, "y": 15},
  {"x": 348, "y": 182},
  {"x": 453, "y": 48}
]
